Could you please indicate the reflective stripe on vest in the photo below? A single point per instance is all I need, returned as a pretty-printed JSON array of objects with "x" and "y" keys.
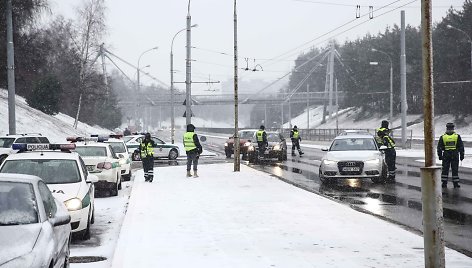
[
  {"x": 450, "y": 141},
  {"x": 260, "y": 135},
  {"x": 296, "y": 134},
  {"x": 189, "y": 144},
  {"x": 391, "y": 143},
  {"x": 146, "y": 149}
]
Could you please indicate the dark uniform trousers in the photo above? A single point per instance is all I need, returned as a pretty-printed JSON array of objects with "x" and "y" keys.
[
  {"x": 390, "y": 158},
  {"x": 296, "y": 145},
  {"x": 148, "y": 166},
  {"x": 450, "y": 159},
  {"x": 192, "y": 158},
  {"x": 262, "y": 147}
]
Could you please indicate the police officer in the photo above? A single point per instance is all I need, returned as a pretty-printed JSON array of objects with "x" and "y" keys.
[
  {"x": 261, "y": 137},
  {"x": 296, "y": 139},
  {"x": 383, "y": 127},
  {"x": 193, "y": 148},
  {"x": 390, "y": 153},
  {"x": 146, "y": 150},
  {"x": 450, "y": 151}
]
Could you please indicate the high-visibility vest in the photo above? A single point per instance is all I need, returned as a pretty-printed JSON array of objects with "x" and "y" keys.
[
  {"x": 146, "y": 149},
  {"x": 450, "y": 141},
  {"x": 296, "y": 135},
  {"x": 377, "y": 137},
  {"x": 189, "y": 143},
  {"x": 260, "y": 135},
  {"x": 391, "y": 143}
]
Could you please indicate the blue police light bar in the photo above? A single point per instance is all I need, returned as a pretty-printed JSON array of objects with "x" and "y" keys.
[
  {"x": 41, "y": 146},
  {"x": 18, "y": 146},
  {"x": 98, "y": 138}
]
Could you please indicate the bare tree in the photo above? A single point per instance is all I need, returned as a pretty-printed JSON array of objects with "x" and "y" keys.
[{"x": 90, "y": 30}]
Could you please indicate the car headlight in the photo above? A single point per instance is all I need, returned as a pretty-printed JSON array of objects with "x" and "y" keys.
[
  {"x": 226, "y": 144},
  {"x": 373, "y": 161},
  {"x": 246, "y": 144},
  {"x": 329, "y": 162},
  {"x": 123, "y": 161},
  {"x": 73, "y": 204},
  {"x": 276, "y": 147},
  {"x": 250, "y": 148}
]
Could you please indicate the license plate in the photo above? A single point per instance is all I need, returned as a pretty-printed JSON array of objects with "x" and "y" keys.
[
  {"x": 351, "y": 169},
  {"x": 90, "y": 168}
]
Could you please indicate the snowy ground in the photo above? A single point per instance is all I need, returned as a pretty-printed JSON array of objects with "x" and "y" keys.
[
  {"x": 29, "y": 120},
  {"x": 250, "y": 219}
]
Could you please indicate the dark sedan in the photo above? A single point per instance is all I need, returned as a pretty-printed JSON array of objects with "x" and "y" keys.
[{"x": 277, "y": 149}]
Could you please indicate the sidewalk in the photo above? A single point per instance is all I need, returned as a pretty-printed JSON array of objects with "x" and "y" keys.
[{"x": 250, "y": 219}]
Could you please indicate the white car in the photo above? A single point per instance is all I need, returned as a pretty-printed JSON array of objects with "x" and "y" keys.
[
  {"x": 66, "y": 176},
  {"x": 162, "y": 149},
  {"x": 34, "y": 226},
  {"x": 7, "y": 141},
  {"x": 121, "y": 150},
  {"x": 101, "y": 160},
  {"x": 355, "y": 156}
]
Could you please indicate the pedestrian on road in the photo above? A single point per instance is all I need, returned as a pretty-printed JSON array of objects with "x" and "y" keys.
[
  {"x": 450, "y": 151},
  {"x": 262, "y": 142},
  {"x": 193, "y": 148},
  {"x": 390, "y": 152},
  {"x": 126, "y": 132},
  {"x": 146, "y": 150},
  {"x": 296, "y": 139}
]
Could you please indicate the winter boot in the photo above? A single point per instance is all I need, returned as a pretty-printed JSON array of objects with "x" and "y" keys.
[
  {"x": 195, "y": 175},
  {"x": 150, "y": 178},
  {"x": 444, "y": 184},
  {"x": 300, "y": 152},
  {"x": 189, "y": 174},
  {"x": 456, "y": 184}
]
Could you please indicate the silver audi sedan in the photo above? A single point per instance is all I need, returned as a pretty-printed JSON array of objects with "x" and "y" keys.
[
  {"x": 353, "y": 156},
  {"x": 34, "y": 227}
]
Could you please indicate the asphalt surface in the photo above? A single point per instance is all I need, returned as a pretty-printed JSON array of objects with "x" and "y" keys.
[{"x": 398, "y": 202}]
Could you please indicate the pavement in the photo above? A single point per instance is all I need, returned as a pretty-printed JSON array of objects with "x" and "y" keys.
[{"x": 252, "y": 219}]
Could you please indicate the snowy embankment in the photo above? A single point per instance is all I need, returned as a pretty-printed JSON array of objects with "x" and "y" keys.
[{"x": 29, "y": 120}]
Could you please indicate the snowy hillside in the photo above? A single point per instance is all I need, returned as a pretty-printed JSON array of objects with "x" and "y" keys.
[{"x": 29, "y": 120}]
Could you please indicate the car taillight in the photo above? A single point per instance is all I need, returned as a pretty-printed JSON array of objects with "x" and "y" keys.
[{"x": 104, "y": 165}]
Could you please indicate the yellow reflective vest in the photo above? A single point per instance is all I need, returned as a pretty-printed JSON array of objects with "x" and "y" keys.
[
  {"x": 189, "y": 143},
  {"x": 260, "y": 135},
  {"x": 146, "y": 149},
  {"x": 450, "y": 141}
]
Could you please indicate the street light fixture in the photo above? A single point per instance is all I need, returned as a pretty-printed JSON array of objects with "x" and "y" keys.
[
  {"x": 470, "y": 41},
  {"x": 139, "y": 70},
  {"x": 172, "y": 119},
  {"x": 391, "y": 80}
]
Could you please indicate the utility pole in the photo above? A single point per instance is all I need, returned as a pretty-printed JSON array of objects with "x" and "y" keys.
[
  {"x": 265, "y": 115},
  {"x": 172, "y": 97},
  {"x": 337, "y": 107},
  {"x": 282, "y": 119},
  {"x": 403, "y": 79},
  {"x": 431, "y": 195},
  {"x": 237, "y": 156},
  {"x": 307, "y": 106},
  {"x": 331, "y": 79},
  {"x": 289, "y": 114},
  {"x": 188, "y": 79},
  {"x": 11, "y": 71}
]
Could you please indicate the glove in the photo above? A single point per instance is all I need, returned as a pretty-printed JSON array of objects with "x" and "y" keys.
[
  {"x": 440, "y": 157},
  {"x": 462, "y": 157}
]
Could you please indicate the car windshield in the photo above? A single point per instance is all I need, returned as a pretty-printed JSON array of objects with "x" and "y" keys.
[
  {"x": 127, "y": 138},
  {"x": 91, "y": 151},
  {"x": 118, "y": 147},
  {"x": 246, "y": 134},
  {"x": 17, "y": 203},
  {"x": 52, "y": 171},
  {"x": 273, "y": 137},
  {"x": 353, "y": 144},
  {"x": 6, "y": 142}
]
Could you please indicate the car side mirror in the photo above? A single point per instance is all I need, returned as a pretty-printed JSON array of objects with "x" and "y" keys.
[
  {"x": 203, "y": 139},
  {"x": 91, "y": 179},
  {"x": 324, "y": 149},
  {"x": 121, "y": 156},
  {"x": 60, "y": 220}
]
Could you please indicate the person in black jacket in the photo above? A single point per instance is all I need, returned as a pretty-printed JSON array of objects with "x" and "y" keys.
[
  {"x": 450, "y": 150},
  {"x": 193, "y": 148},
  {"x": 296, "y": 139},
  {"x": 146, "y": 151}
]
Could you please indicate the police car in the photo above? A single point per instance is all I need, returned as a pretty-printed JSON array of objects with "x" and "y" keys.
[
  {"x": 119, "y": 147},
  {"x": 101, "y": 160},
  {"x": 65, "y": 174},
  {"x": 162, "y": 149},
  {"x": 7, "y": 141}
]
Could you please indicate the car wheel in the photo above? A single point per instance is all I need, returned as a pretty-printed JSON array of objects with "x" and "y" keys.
[
  {"x": 285, "y": 156},
  {"x": 173, "y": 154},
  {"x": 92, "y": 220},
  {"x": 281, "y": 157},
  {"x": 114, "y": 189},
  {"x": 322, "y": 178},
  {"x": 127, "y": 177},
  {"x": 228, "y": 153},
  {"x": 119, "y": 182},
  {"x": 67, "y": 257},
  {"x": 85, "y": 234}
]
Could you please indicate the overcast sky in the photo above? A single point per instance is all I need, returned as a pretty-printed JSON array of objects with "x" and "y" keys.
[{"x": 267, "y": 29}]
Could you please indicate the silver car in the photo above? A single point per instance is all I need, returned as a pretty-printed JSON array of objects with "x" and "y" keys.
[
  {"x": 354, "y": 156},
  {"x": 34, "y": 226}
]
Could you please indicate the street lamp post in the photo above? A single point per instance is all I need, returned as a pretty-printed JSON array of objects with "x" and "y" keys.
[
  {"x": 139, "y": 70},
  {"x": 188, "y": 70},
  {"x": 391, "y": 81},
  {"x": 470, "y": 41},
  {"x": 172, "y": 111}
]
